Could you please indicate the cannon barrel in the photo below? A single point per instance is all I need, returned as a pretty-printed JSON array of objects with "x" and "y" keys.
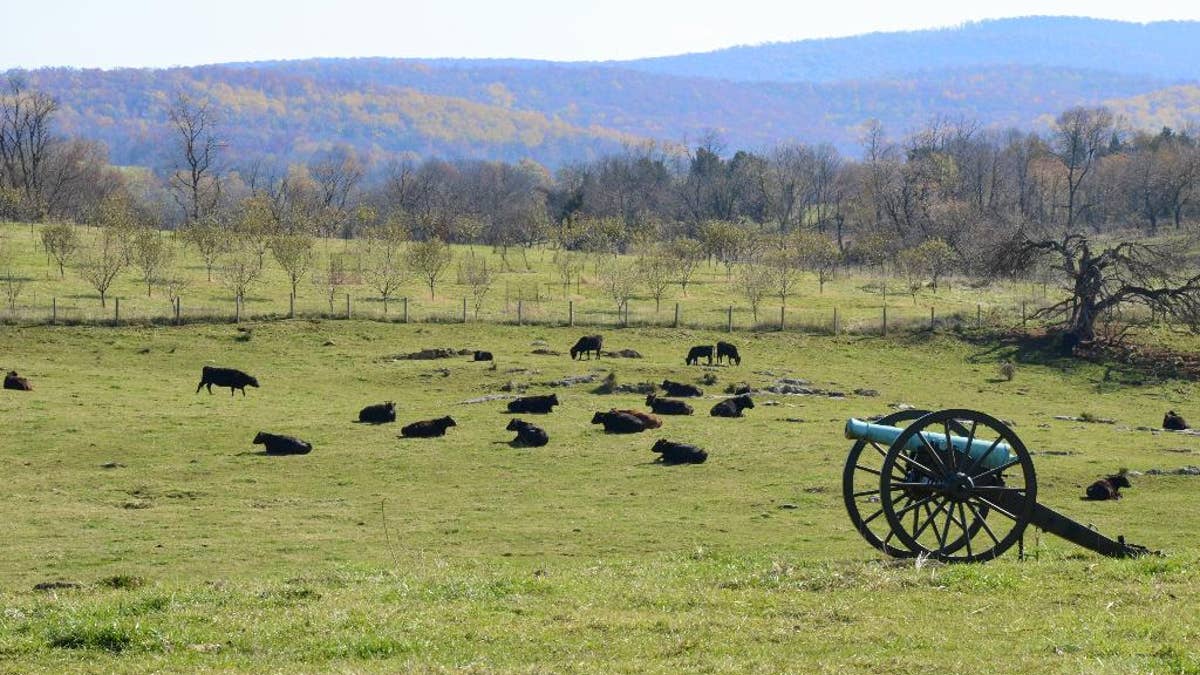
[{"x": 857, "y": 429}]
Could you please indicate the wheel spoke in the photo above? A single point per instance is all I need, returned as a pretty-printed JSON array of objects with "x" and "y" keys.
[
  {"x": 999, "y": 488},
  {"x": 1011, "y": 462},
  {"x": 869, "y": 470},
  {"x": 978, "y": 460},
  {"x": 952, "y": 454},
  {"x": 932, "y": 517},
  {"x": 945, "y": 532},
  {"x": 933, "y": 453},
  {"x": 913, "y": 505},
  {"x": 863, "y": 493},
  {"x": 983, "y": 522},
  {"x": 995, "y": 507},
  {"x": 881, "y": 451},
  {"x": 962, "y": 513},
  {"x": 920, "y": 467}
]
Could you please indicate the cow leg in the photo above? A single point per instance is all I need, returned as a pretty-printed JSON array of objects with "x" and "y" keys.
[
  {"x": 199, "y": 386},
  {"x": 210, "y": 388}
]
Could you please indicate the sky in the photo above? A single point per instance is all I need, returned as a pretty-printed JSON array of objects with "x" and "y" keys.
[{"x": 160, "y": 33}]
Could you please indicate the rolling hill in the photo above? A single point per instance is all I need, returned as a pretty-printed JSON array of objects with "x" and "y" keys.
[{"x": 1012, "y": 73}]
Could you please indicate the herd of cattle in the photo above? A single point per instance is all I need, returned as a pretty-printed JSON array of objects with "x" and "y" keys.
[{"x": 614, "y": 421}]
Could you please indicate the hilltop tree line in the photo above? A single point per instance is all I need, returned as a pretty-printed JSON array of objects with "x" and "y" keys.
[{"x": 951, "y": 198}]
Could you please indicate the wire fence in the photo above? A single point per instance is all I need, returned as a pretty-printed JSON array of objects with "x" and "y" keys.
[{"x": 857, "y": 320}]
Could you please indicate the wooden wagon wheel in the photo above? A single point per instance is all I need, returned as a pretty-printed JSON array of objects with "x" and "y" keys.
[
  {"x": 934, "y": 497},
  {"x": 860, "y": 489}
]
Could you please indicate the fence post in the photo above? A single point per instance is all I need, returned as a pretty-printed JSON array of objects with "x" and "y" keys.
[
  {"x": 729, "y": 319},
  {"x": 237, "y": 309},
  {"x": 348, "y": 306},
  {"x": 676, "y": 323},
  {"x": 117, "y": 310},
  {"x": 1023, "y": 316},
  {"x": 781, "y": 309},
  {"x": 405, "y": 309},
  {"x": 53, "y": 311},
  {"x": 178, "y": 308},
  {"x": 835, "y": 321},
  {"x": 464, "y": 310},
  {"x": 979, "y": 316},
  {"x": 570, "y": 312},
  {"x": 931, "y": 323},
  {"x": 626, "y": 323},
  {"x": 520, "y": 312},
  {"x": 885, "y": 321},
  {"x": 291, "y": 305}
]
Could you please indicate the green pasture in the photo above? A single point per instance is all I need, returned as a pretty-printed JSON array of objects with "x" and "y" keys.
[
  {"x": 380, "y": 554},
  {"x": 529, "y": 280}
]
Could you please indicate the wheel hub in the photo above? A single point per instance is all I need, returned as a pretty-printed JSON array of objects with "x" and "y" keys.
[{"x": 957, "y": 486}]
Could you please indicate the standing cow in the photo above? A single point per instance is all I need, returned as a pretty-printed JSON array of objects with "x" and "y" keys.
[
  {"x": 586, "y": 345},
  {"x": 699, "y": 352},
  {"x": 225, "y": 377},
  {"x": 728, "y": 351}
]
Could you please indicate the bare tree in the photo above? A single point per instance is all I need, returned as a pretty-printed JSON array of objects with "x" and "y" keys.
[
  {"x": 333, "y": 278},
  {"x": 783, "y": 268},
  {"x": 240, "y": 270},
  {"x": 478, "y": 277},
  {"x": 61, "y": 241},
  {"x": 104, "y": 256},
  {"x": 657, "y": 270},
  {"x": 385, "y": 262},
  {"x": 568, "y": 265},
  {"x": 196, "y": 181},
  {"x": 688, "y": 254},
  {"x": 618, "y": 279},
  {"x": 211, "y": 240},
  {"x": 150, "y": 253},
  {"x": 816, "y": 254},
  {"x": 26, "y": 141},
  {"x": 429, "y": 259},
  {"x": 294, "y": 253},
  {"x": 754, "y": 282},
  {"x": 10, "y": 282},
  {"x": 1079, "y": 137}
]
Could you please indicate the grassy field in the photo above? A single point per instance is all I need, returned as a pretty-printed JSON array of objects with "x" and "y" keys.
[
  {"x": 531, "y": 279},
  {"x": 380, "y": 554}
]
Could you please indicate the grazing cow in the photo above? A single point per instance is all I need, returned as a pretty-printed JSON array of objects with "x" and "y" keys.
[
  {"x": 726, "y": 350},
  {"x": 15, "y": 382},
  {"x": 586, "y": 345},
  {"x": 1171, "y": 421},
  {"x": 483, "y": 356},
  {"x": 428, "y": 428},
  {"x": 528, "y": 435},
  {"x": 732, "y": 407},
  {"x": 534, "y": 405},
  {"x": 665, "y": 406},
  {"x": 699, "y": 352},
  {"x": 681, "y": 390},
  {"x": 1108, "y": 488},
  {"x": 276, "y": 444},
  {"x": 678, "y": 453},
  {"x": 380, "y": 413},
  {"x": 225, "y": 377},
  {"x": 650, "y": 421},
  {"x": 619, "y": 423}
]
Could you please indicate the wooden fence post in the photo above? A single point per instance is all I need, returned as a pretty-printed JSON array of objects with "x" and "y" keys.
[
  {"x": 729, "y": 319},
  {"x": 117, "y": 310},
  {"x": 781, "y": 309},
  {"x": 53, "y": 311},
  {"x": 406, "y": 309},
  {"x": 178, "y": 308},
  {"x": 348, "y": 308},
  {"x": 979, "y": 316},
  {"x": 291, "y": 305},
  {"x": 931, "y": 322},
  {"x": 237, "y": 309},
  {"x": 520, "y": 312},
  {"x": 885, "y": 321},
  {"x": 835, "y": 321},
  {"x": 464, "y": 310},
  {"x": 570, "y": 312},
  {"x": 675, "y": 324},
  {"x": 1023, "y": 316}
]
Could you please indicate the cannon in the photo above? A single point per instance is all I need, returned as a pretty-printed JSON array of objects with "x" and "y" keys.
[{"x": 954, "y": 485}]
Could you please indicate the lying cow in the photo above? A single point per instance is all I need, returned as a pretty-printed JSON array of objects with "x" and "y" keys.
[
  {"x": 15, "y": 382},
  {"x": 428, "y": 428},
  {"x": 678, "y": 453},
  {"x": 276, "y": 444},
  {"x": 483, "y": 356},
  {"x": 619, "y": 423},
  {"x": 1174, "y": 422},
  {"x": 650, "y": 421},
  {"x": 225, "y": 377},
  {"x": 665, "y": 406},
  {"x": 380, "y": 413},
  {"x": 1108, "y": 488},
  {"x": 728, "y": 351},
  {"x": 696, "y": 353},
  {"x": 536, "y": 405},
  {"x": 586, "y": 345},
  {"x": 732, "y": 407},
  {"x": 528, "y": 435},
  {"x": 680, "y": 389}
]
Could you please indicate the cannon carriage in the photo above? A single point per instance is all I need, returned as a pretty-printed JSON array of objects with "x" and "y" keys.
[{"x": 955, "y": 485}]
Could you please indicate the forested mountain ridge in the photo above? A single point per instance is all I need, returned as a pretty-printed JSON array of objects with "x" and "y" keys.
[{"x": 999, "y": 74}]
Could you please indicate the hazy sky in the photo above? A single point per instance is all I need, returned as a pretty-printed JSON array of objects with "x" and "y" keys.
[{"x": 107, "y": 33}]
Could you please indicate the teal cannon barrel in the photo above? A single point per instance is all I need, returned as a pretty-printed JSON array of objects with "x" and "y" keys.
[{"x": 857, "y": 429}]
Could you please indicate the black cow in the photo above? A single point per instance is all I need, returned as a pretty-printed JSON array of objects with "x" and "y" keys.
[
  {"x": 586, "y": 345},
  {"x": 619, "y": 423},
  {"x": 732, "y": 407},
  {"x": 15, "y": 382},
  {"x": 528, "y": 435},
  {"x": 650, "y": 421},
  {"x": 699, "y": 352},
  {"x": 483, "y": 356},
  {"x": 678, "y": 453},
  {"x": 225, "y": 377},
  {"x": 276, "y": 444},
  {"x": 535, "y": 405},
  {"x": 380, "y": 413},
  {"x": 428, "y": 428},
  {"x": 681, "y": 390},
  {"x": 726, "y": 350},
  {"x": 665, "y": 406},
  {"x": 1108, "y": 488},
  {"x": 1174, "y": 422}
]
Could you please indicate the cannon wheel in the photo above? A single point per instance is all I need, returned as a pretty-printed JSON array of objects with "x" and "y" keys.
[
  {"x": 860, "y": 479},
  {"x": 928, "y": 495}
]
